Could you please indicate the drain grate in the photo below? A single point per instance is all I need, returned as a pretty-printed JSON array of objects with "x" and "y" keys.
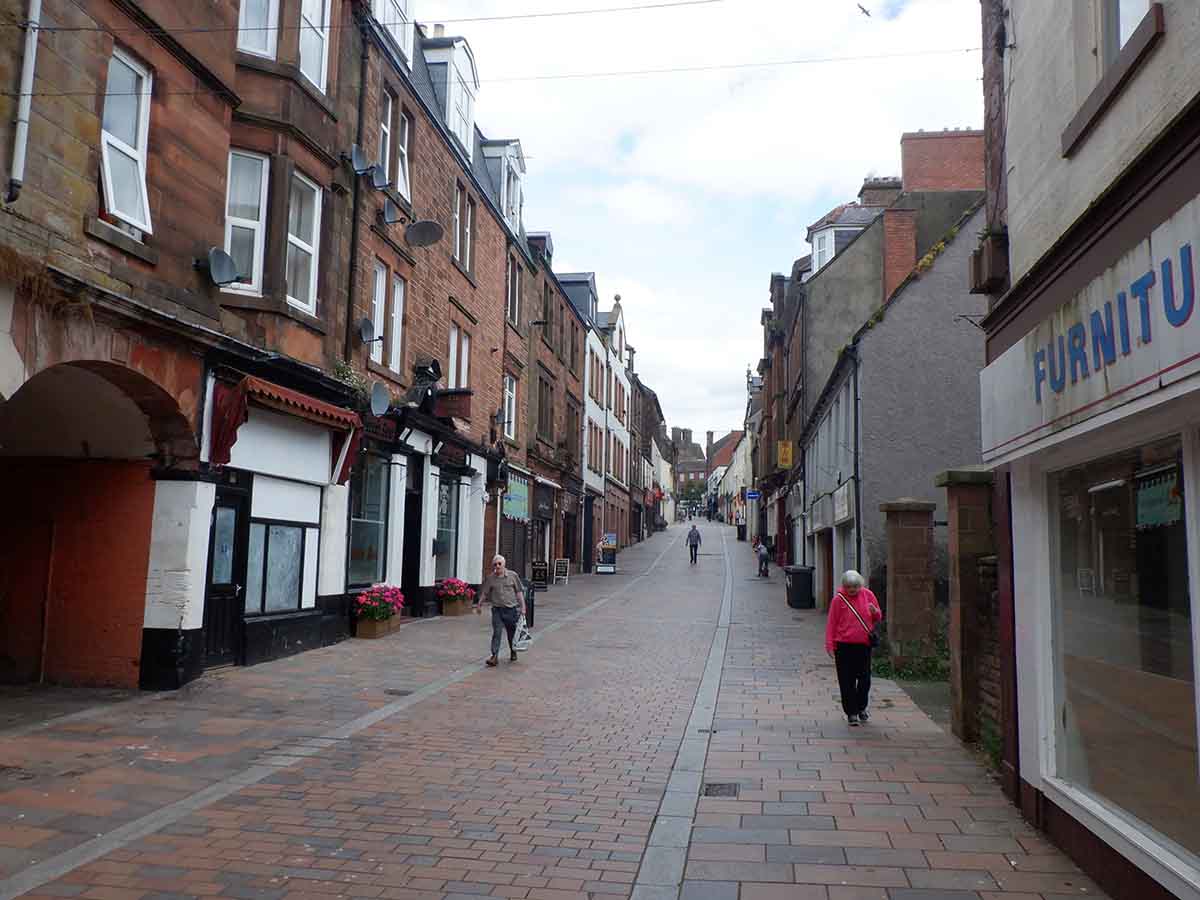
[
  {"x": 397, "y": 692},
  {"x": 720, "y": 789}
]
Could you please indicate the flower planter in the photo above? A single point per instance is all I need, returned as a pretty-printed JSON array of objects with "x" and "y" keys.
[
  {"x": 376, "y": 628},
  {"x": 455, "y": 606}
]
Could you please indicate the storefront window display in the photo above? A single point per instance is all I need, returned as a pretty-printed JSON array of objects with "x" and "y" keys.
[
  {"x": 1126, "y": 698},
  {"x": 447, "y": 529},
  {"x": 368, "y": 521}
]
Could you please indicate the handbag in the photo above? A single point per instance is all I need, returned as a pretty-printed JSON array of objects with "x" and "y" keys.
[
  {"x": 524, "y": 637},
  {"x": 872, "y": 637}
]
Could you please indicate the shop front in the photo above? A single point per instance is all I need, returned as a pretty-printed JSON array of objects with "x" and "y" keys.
[
  {"x": 543, "y": 520},
  {"x": 514, "y": 522},
  {"x": 1091, "y": 420}
]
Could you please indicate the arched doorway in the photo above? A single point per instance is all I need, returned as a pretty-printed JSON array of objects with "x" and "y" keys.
[{"x": 78, "y": 444}]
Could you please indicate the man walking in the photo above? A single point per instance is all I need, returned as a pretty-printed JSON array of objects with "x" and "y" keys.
[
  {"x": 502, "y": 589},
  {"x": 693, "y": 542}
]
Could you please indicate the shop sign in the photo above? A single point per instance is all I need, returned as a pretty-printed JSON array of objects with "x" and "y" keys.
[
  {"x": 1131, "y": 331},
  {"x": 752, "y": 495},
  {"x": 820, "y": 514},
  {"x": 543, "y": 501},
  {"x": 784, "y": 454},
  {"x": 516, "y": 499},
  {"x": 843, "y": 508}
]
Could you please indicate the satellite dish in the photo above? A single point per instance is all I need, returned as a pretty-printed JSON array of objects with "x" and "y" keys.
[
  {"x": 424, "y": 233},
  {"x": 391, "y": 212},
  {"x": 358, "y": 161},
  {"x": 379, "y": 177},
  {"x": 366, "y": 330},
  {"x": 381, "y": 398},
  {"x": 220, "y": 266}
]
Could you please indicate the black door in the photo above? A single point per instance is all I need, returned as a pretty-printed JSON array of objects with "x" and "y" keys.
[
  {"x": 410, "y": 566},
  {"x": 589, "y": 532},
  {"x": 223, "y": 597}
]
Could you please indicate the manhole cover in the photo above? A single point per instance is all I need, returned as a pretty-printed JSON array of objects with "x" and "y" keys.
[
  {"x": 396, "y": 692},
  {"x": 720, "y": 789},
  {"x": 15, "y": 773}
]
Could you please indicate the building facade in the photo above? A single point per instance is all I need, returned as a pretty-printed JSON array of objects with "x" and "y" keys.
[{"x": 1090, "y": 414}]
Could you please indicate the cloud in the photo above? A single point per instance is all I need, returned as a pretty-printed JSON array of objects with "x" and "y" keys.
[{"x": 684, "y": 191}]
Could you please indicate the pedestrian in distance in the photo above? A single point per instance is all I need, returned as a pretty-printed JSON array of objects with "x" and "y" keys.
[
  {"x": 764, "y": 559},
  {"x": 693, "y": 543},
  {"x": 849, "y": 636},
  {"x": 502, "y": 590}
]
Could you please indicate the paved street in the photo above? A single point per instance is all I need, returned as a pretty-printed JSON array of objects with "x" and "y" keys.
[{"x": 673, "y": 728}]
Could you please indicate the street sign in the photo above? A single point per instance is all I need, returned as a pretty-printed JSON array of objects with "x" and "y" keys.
[{"x": 752, "y": 495}]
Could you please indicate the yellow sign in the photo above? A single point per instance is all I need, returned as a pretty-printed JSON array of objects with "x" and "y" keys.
[{"x": 783, "y": 453}]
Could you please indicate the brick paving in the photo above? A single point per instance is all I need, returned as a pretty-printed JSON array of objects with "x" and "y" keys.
[{"x": 541, "y": 780}]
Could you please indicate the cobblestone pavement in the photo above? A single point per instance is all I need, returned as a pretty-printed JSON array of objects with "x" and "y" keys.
[{"x": 403, "y": 769}]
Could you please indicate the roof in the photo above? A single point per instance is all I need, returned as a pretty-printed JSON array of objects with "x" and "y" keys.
[
  {"x": 853, "y": 215},
  {"x": 722, "y": 450}
]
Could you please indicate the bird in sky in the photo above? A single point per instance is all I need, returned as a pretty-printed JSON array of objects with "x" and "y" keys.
[{"x": 866, "y": 12}]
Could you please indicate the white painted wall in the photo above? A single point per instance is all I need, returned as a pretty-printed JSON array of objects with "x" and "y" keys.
[
  {"x": 308, "y": 591},
  {"x": 335, "y": 507},
  {"x": 477, "y": 501},
  {"x": 12, "y": 369},
  {"x": 593, "y": 411},
  {"x": 178, "y": 566},
  {"x": 397, "y": 497},
  {"x": 284, "y": 446},
  {"x": 433, "y": 478},
  {"x": 1051, "y": 71},
  {"x": 291, "y": 501}
]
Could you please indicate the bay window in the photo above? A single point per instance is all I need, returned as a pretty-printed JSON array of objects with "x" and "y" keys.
[
  {"x": 314, "y": 41},
  {"x": 304, "y": 225},
  {"x": 258, "y": 24},
  {"x": 365, "y": 562},
  {"x": 246, "y": 217},
  {"x": 124, "y": 134}
]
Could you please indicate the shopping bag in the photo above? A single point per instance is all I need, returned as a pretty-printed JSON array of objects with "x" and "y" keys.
[{"x": 524, "y": 638}]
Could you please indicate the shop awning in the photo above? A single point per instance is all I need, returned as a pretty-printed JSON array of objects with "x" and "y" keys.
[{"x": 231, "y": 409}]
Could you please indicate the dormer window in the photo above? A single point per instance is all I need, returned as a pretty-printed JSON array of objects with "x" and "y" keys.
[
  {"x": 396, "y": 20},
  {"x": 462, "y": 107},
  {"x": 453, "y": 57},
  {"x": 513, "y": 201}
]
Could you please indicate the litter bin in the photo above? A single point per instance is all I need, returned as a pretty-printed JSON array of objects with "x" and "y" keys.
[
  {"x": 741, "y": 531},
  {"x": 800, "y": 587}
]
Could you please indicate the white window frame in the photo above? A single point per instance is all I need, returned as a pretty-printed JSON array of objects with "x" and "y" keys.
[
  {"x": 464, "y": 361},
  {"x": 393, "y": 16},
  {"x": 385, "y": 134},
  {"x": 379, "y": 309},
  {"x": 314, "y": 249},
  {"x": 452, "y": 368},
  {"x": 462, "y": 106},
  {"x": 512, "y": 310},
  {"x": 469, "y": 232},
  {"x": 254, "y": 285},
  {"x": 323, "y": 31},
  {"x": 459, "y": 194},
  {"x": 510, "y": 407},
  {"x": 399, "y": 296},
  {"x": 139, "y": 155},
  {"x": 512, "y": 194},
  {"x": 272, "y": 28},
  {"x": 403, "y": 136}
]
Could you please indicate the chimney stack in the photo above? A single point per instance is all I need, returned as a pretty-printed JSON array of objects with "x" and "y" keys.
[
  {"x": 879, "y": 191},
  {"x": 708, "y": 446},
  {"x": 942, "y": 160},
  {"x": 439, "y": 30}
]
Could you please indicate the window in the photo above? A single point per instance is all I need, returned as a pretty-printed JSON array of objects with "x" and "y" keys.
[
  {"x": 512, "y": 196},
  {"x": 396, "y": 354},
  {"x": 125, "y": 129},
  {"x": 379, "y": 309},
  {"x": 1120, "y": 19},
  {"x": 464, "y": 227},
  {"x": 385, "y": 135},
  {"x": 462, "y": 107},
  {"x": 1125, "y": 693},
  {"x": 573, "y": 435},
  {"x": 368, "y": 521},
  {"x": 403, "y": 130},
  {"x": 274, "y": 568},
  {"x": 510, "y": 407},
  {"x": 393, "y": 16},
  {"x": 545, "y": 409},
  {"x": 258, "y": 23},
  {"x": 245, "y": 218},
  {"x": 314, "y": 40},
  {"x": 304, "y": 225},
  {"x": 562, "y": 331},
  {"x": 459, "y": 370},
  {"x": 548, "y": 314},
  {"x": 821, "y": 251},
  {"x": 447, "y": 530},
  {"x": 514, "y": 290},
  {"x": 575, "y": 347}
]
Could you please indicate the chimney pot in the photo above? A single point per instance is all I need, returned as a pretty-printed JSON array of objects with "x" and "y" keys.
[{"x": 439, "y": 30}]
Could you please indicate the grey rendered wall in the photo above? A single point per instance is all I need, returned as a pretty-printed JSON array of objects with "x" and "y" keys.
[{"x": 919, "y": 383}]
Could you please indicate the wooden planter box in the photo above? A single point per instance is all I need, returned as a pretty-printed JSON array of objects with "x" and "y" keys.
[
  {"x": 455, "y": 606},
  {"x": 370, "y": 628}
]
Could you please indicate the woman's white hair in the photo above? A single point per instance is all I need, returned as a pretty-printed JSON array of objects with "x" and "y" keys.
[{"x": 852, "y": 579}]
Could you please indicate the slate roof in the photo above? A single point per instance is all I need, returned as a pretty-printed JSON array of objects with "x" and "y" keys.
[{"x": 850, "y": 215}]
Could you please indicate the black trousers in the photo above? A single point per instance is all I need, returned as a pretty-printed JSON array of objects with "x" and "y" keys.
[
  {"x": 694, "y": 548},
  {"x": 854, "y": 675}
]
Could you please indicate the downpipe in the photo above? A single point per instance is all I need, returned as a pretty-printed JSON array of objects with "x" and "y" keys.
[{"x": 24, "y": 102}]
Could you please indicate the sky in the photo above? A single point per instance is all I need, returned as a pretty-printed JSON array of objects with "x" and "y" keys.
[{"x": 684, "y": 191}]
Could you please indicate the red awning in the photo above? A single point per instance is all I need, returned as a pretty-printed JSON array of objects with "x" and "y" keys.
[{"x": 231, "y": 409}]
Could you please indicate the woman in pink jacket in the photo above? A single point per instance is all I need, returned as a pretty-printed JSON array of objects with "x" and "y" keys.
[{"x": 853, "y": 614}]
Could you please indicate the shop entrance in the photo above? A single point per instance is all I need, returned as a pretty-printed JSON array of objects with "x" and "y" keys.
[
  {"x": 224, "y": 591},
  {"x": 410, "y": 566}
]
